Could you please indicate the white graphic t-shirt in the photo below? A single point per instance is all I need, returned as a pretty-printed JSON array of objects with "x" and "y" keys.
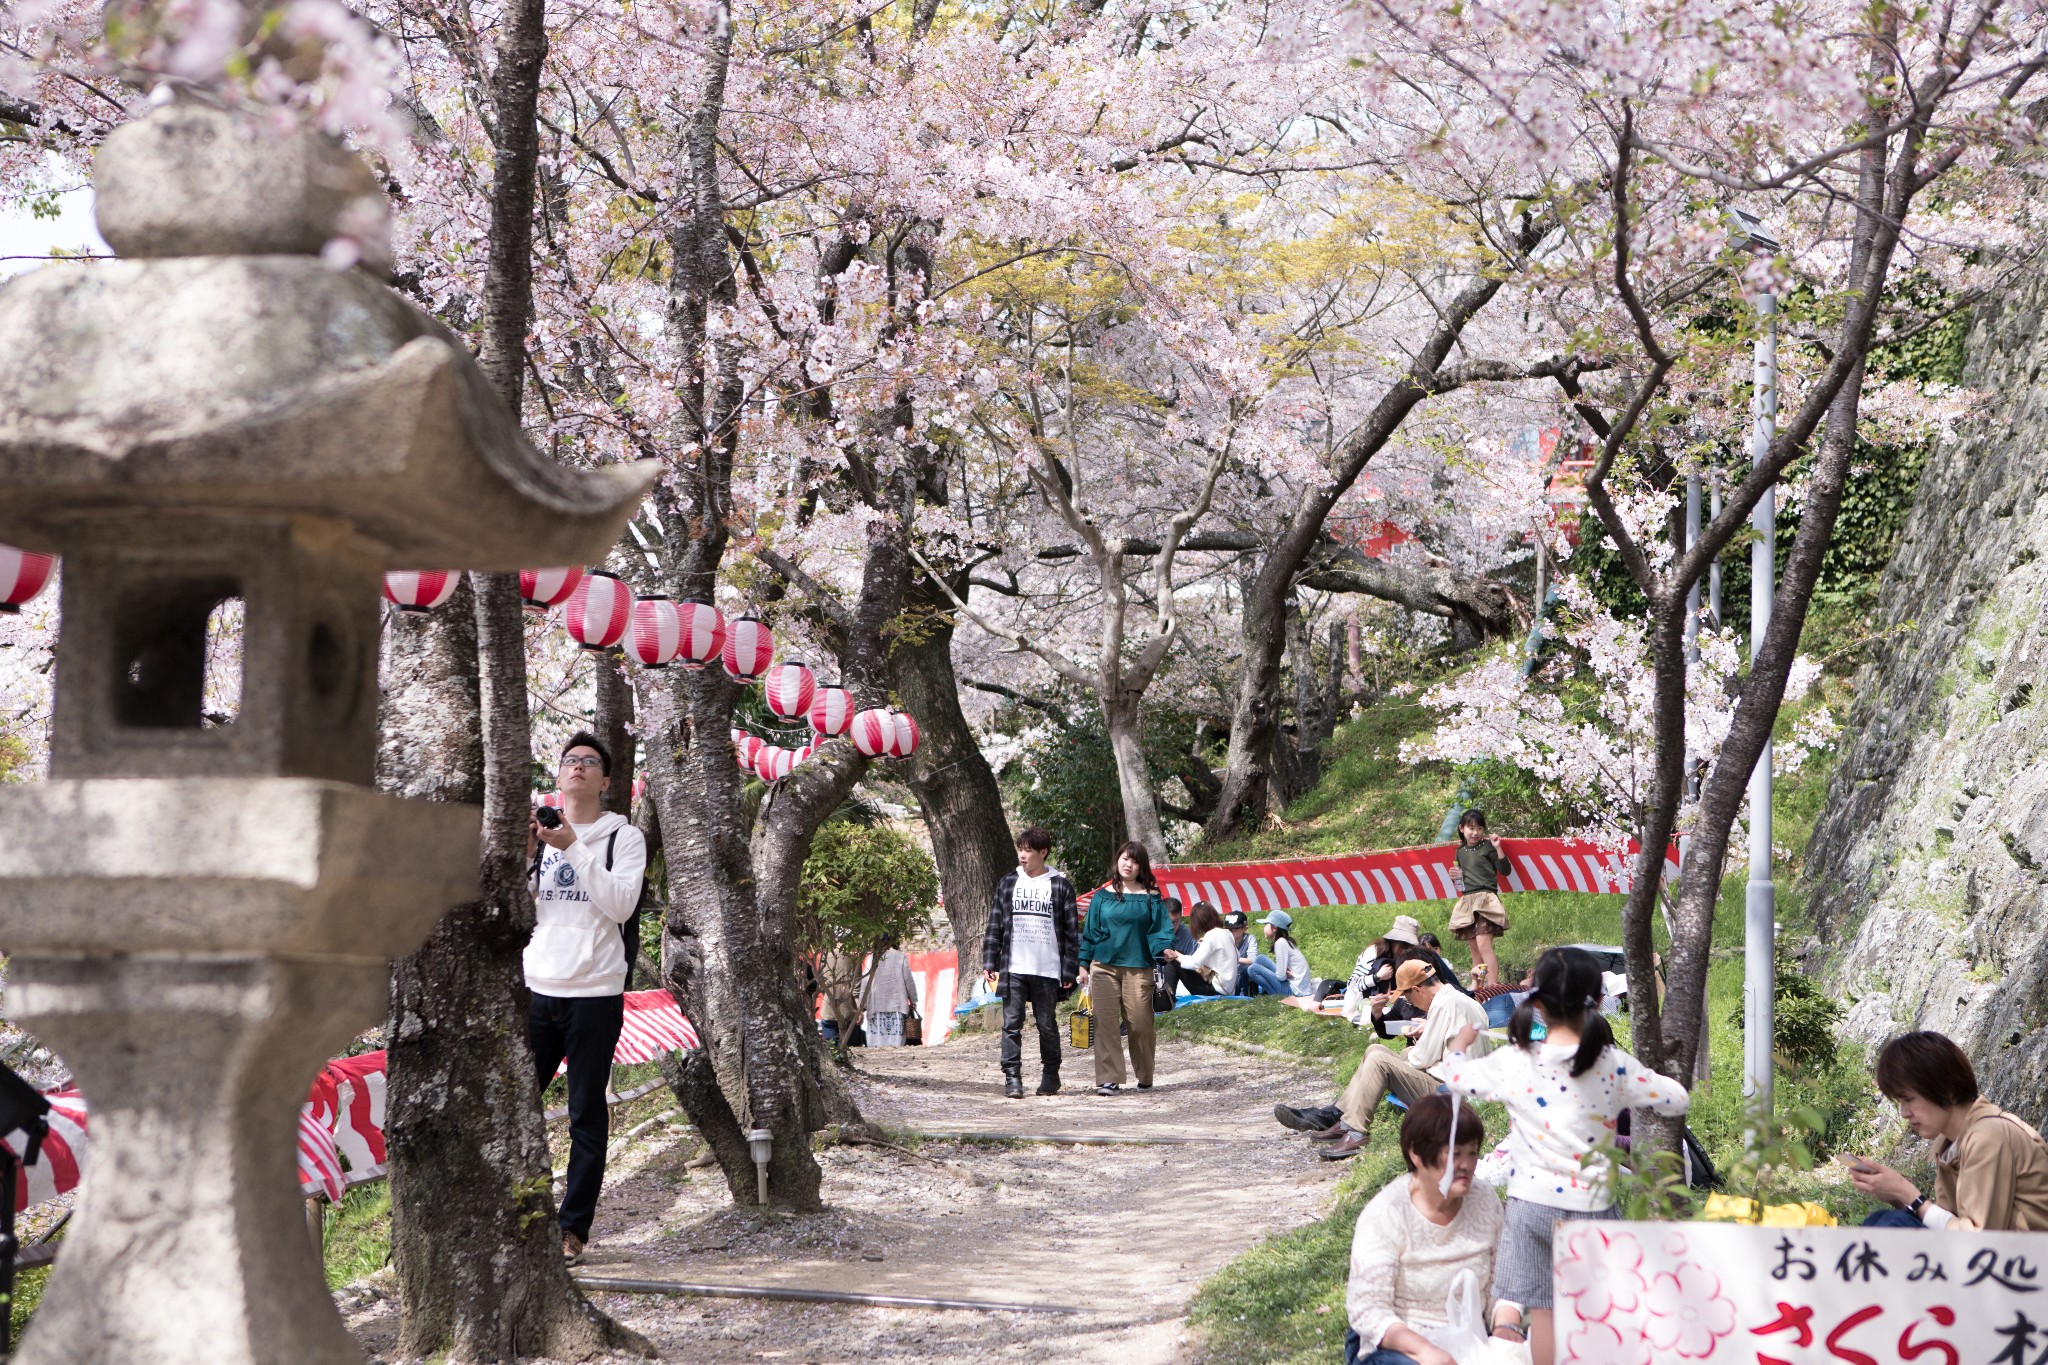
[{"x": 1034, "y": 950}]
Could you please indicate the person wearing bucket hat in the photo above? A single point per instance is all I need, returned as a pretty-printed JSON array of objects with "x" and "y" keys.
[
  {"x": 1286, "y": 972},
  {"x": 1365, "y": 995},
  {"x": 1382, "y": 1071}
]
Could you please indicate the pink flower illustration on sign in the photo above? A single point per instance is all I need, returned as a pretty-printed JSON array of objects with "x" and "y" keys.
[
  {"x": 1602, "y": 1273},
  {"x": 1685, "y": 1312},
  {"x": 1600, "y": 1343}
]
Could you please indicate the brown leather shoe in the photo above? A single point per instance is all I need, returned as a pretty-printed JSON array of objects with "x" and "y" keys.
[
  {"x": 1351, "y": 1146},
  {"x": 1335, "y": 1132},
  {"x": 572, "y": 1248}
]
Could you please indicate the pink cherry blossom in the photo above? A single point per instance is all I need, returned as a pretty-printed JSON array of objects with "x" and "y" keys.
[{"x": 1685, "y": 1312}]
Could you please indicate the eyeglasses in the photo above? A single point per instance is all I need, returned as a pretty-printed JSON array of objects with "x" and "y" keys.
[{"x": 581, "y": 761}]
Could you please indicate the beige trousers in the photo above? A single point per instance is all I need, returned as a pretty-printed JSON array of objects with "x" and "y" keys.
[
  {"x": 1126, "y": 991},
  {"x": 1381, "y": 1070}
]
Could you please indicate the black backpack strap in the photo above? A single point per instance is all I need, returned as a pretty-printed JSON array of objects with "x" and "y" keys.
[{"x": 609, "y": 845}]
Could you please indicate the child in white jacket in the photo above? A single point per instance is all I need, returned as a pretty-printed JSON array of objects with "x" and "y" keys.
[{"x": 1564, "y": 1095}]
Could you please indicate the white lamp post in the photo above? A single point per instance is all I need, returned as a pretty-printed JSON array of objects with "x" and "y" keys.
[{"x": 1759, "y": 955}]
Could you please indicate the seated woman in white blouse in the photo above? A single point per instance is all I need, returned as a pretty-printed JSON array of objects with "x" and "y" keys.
[
  {"x": 1414, "y": 1238},
  {"x": 1212, "y": 968}
]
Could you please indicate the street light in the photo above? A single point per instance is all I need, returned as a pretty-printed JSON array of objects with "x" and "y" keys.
[{"x": 1760, "y": 903}]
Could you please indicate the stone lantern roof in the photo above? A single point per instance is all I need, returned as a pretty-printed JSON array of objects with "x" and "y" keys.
[{"x": 221, "y": 367}]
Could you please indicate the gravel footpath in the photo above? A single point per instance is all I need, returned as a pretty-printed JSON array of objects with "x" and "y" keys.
[{"x": 1124, "y": 1234}]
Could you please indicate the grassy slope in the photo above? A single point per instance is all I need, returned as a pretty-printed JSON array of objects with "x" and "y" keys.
[{"x": 1284, "y": 1300}]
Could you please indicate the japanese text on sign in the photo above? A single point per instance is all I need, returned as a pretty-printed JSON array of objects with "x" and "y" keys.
[{"x": 1636, "y": 1293}]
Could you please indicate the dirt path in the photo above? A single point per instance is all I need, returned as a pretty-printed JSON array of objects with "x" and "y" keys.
[{"x": 1124, "y": 1234}]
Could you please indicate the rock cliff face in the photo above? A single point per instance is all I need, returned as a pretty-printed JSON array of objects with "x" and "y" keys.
[{"x": 1929, "y": 868}]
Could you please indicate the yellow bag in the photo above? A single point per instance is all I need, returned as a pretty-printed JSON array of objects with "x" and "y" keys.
[
  {"x": 1728, "y": 1208},
  {"x": 1081, "y": 1028}
]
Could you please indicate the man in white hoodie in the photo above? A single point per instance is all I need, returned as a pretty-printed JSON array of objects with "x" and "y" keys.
[{"x": 585, "y": 885}]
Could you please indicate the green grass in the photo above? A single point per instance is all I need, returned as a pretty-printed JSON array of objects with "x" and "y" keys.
[
  {"x": 1368, "y": 797},
  {"x": 359, "y": 1234},
  {"x": 1283, "y": 1301}
]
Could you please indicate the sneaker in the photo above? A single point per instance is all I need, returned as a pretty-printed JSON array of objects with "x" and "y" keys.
[
  {"x": 572, "y": 1248},
  {"x": 1013, "y": 1088},
  {"x": 1109, "y": 1088},
  {"x": 1306, "y": 1118},
  {"x": 1049, "y": 1083}
]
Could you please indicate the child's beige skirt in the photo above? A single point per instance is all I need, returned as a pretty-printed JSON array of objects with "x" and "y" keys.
[{"x": 1476, "y": 913}]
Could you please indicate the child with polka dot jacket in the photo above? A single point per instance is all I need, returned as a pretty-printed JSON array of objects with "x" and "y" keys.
[{"x": 1564, "y": 1090}]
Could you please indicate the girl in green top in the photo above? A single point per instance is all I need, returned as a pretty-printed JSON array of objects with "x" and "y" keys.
[
  {"x": 1127, "y": 928},
  {"x": 1479, "y": 918}
]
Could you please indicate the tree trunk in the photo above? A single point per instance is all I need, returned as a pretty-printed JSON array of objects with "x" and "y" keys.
[
  {"x": 614, "y": 716},
  {"x": 1134, "y": 776},
  {"x": 962, "y": 805},
  {"x": 1248, "y": 787},
  {"x": 480, "y": 1268},
  {"x": 473, "y": 1238}
]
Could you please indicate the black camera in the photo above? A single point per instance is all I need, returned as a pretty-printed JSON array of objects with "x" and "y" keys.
[{"x": 548, "y": 816}]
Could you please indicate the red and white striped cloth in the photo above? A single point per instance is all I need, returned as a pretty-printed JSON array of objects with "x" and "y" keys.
[
  {"x": 57, "y": 1165},
  {"x": 1397, "y": 875},
  {"x": 655, "y": 1024}
]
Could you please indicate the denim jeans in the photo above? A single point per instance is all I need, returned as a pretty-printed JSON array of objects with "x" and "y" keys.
[
  {"x": 1382, "y": 1356},
  {"x": 1263, "y": 978},
  {"x": 1042, "y": 993},
  {"x": 1892, "y": 1218}
]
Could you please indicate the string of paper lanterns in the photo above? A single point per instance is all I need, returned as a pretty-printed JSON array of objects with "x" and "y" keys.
[{"x": 600, "y": 611}]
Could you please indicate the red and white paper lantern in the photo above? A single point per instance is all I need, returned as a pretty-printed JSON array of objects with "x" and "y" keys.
[
  {"x": 749, "y": 645},
  {"x": 639, "y": 787},
  {"x": 549, "y": 799},
  {"x": 804, "y": 753},
  {"x": 773, "y": 764},
  {"x": 599, "y": 610},
  {"x": 874, "y": 733},
  {"x": 22, "y": 575},
  {"x": 421, "y": 591},
  {"x": 544, "y": 588},
  {"x": 703, "y": 633},
  {"x": 788, "y": 689},
  {"x": 906, "y": 734},
  {"x": 832, "y": 709},
  {"x": 657, "y": 631},
  {"x": 744, "y": 748}
]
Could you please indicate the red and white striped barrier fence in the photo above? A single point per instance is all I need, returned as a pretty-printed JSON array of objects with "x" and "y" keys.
[{"x": 1397, "y": 875}]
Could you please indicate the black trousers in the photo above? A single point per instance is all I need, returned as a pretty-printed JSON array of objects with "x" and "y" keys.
[
  {"x": 584, "y": 1032},
  {"x": 1043, "y": 993}
]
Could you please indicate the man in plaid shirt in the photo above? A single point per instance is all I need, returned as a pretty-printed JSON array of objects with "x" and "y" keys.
[{"x": 1032, "y": 952}]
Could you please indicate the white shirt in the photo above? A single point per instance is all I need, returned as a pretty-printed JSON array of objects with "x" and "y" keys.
[
  {"x": 1290, "y": 962},
  {"x": 577, "y": 949},
  {"x": 1218, "y": 952},
  {"x": 1034, "y": 948},
  {"x": 1556, "y": 1118},
  {"x": 1402, "y": 1264}
]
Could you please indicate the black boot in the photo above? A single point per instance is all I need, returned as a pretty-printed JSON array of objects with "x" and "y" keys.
[
  {"x": 1049, "y": 1083},
  {"x": 1013, "y": 1086}
]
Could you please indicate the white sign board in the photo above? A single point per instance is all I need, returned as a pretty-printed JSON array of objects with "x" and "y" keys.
[{"x": 1652, "y": 1293}]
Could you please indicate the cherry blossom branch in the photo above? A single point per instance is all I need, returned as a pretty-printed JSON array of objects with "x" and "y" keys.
[{"x": 1059, "y": 662}]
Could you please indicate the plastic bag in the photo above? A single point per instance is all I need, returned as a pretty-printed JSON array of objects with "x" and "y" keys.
[{"x": 1463, "y": 1334}]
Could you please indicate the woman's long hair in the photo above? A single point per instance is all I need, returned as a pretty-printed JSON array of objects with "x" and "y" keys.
[
  {"x": 1568, "y": 987},
  {"x": 1144, "y": 862},
  {"x": 1204, "y": 918}
]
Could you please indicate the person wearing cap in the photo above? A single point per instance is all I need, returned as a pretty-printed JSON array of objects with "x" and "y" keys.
[
  {"x": 1382, "y": 1071},
  {"x": 1286, "y": 972},
  {"x": 1365, "y": 995},
  {"x": 1240, "y": 926}
]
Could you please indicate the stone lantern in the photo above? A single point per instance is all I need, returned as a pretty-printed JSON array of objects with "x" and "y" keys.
[{"x": 199, "y": 910}]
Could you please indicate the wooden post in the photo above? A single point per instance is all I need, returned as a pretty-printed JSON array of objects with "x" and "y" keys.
[{"x": 316, "y": 1227}]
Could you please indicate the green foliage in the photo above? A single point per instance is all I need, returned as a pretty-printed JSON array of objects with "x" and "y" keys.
[
  {"x": 1803, "y": 1022},
  {"x": 1067, "y": 784},
  {"x": 861, "y": 882}
]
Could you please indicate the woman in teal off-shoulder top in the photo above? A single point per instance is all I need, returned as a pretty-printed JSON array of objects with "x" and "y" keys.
[{"x": 1127, "y": 928}]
